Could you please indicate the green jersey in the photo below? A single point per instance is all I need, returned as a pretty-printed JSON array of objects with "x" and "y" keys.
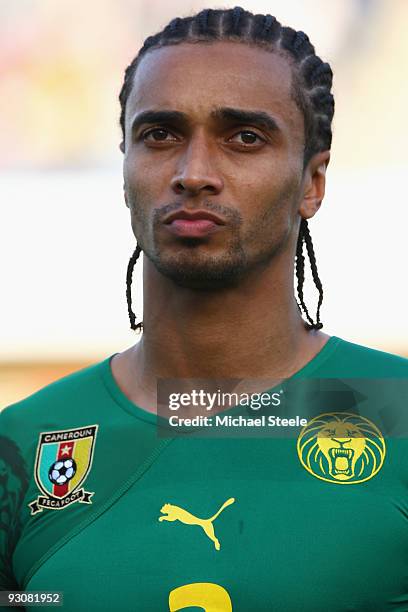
[{"x": 96, "y": 505}]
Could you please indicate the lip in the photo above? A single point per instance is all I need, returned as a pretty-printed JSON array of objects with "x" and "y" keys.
[
  {"x": 192, "y": 228},
  {"x": 193, "y": 215}
]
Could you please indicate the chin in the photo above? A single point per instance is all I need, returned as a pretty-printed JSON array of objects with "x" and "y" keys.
[{"x": 207, "y": 274}]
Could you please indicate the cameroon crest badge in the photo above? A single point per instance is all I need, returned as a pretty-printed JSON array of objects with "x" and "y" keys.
[
  {"x": 63, "y": 461},
  {"x": 341, "y": 447}
]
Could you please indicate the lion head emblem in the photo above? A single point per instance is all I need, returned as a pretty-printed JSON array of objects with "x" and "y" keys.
[{"x": 341, "y": 447}]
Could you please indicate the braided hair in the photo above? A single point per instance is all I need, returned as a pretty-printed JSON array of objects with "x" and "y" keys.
[{"x": 311, "y": 90}]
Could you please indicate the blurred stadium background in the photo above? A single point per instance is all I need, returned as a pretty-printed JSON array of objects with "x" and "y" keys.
[{"x": 65, "y": 232}]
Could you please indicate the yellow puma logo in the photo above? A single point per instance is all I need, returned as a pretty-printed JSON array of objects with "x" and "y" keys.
[{"x": 175, "y": 513}]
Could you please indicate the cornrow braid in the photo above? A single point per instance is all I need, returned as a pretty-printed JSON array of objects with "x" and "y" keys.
[
  {"x": 203, "y": 20},
  {"x": 311, "y": 91},
  {"x": 237, "y": 12}
]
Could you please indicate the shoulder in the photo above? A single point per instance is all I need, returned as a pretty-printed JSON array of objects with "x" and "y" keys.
[
  {"x": 69, "y": 403},
  {"x": 360, "y": 360},
  {"x": 56, "y": 404},
  {"x": 21, "y": 423}
]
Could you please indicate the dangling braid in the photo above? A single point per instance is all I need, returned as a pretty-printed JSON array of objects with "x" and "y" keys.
[
  {"x": 304, "y": 236},
  {"x": 311, "y": 90},
  {"x": 317, "y": 282},
  {"x": 129, "y": 274},
  {"x": 300, "y": 273}
]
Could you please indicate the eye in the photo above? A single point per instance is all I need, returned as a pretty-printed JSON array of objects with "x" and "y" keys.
[
  {"x": 162, "y": 132},
  {"x": 251, "y": 136}
]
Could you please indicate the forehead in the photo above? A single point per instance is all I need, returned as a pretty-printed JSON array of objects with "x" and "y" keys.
[{"x": 195, "y": 77}]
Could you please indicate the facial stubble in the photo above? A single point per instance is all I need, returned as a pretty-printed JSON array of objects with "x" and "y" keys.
[{"x": 193, "y": 266}]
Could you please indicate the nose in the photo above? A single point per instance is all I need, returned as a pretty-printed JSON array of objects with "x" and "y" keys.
[{"x": 196, "y": 169}]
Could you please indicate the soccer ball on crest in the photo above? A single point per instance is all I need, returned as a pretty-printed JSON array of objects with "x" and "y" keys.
[{"x": 62, "y": 471}]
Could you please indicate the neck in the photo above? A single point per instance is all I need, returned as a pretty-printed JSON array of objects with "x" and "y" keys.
[{"x": 253, "y": 330}]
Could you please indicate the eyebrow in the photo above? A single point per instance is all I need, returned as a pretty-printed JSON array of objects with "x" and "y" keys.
[{"x": 224, "y": 113}]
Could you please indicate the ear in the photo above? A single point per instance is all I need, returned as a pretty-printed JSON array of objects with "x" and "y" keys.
[
  {"x": 314, "y": 183},
  {"x": 122, "y": 146}
]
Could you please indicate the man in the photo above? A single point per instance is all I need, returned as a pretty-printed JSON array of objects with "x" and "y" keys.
[{"x": 226, "y": 143}]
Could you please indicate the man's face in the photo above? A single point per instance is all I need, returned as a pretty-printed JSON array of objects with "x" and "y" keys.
[{"x": 249, "y": 174}]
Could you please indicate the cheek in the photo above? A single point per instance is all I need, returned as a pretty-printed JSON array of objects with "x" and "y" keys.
[
  {"x": 137, "y": 171},
  {"x": 277, "y": 203},
  {"x": 271, "y": 215},
  {"x": 139, "y": 186}
]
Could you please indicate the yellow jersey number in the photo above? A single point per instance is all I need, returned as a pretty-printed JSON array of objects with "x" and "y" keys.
[{"x": 211, "y": 597}]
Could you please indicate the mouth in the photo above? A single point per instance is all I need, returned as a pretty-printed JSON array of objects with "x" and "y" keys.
[
  {"x": 193, "y": 224},
  {"x": 341, "y": 460}
]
